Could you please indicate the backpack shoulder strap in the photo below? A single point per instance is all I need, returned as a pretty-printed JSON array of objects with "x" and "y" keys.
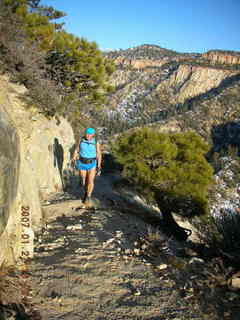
[{"x": 85, "y": 141}]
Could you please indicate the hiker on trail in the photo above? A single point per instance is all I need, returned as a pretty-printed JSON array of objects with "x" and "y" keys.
[{"x": 88, "y": 157}]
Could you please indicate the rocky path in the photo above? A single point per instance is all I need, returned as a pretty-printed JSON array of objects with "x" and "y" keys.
[
  {"x": 86, "y": 266},
  {"x": 80, "y": 276}
]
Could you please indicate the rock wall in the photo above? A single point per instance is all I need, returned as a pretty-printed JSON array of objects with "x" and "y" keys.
[
  {"x": 141, "y": 63},
  {"x": 222, "y": 57},
  {"x": 212, "y": 57},
  {"x": 190, "y": 81},
  {"x": 34, "y": 152},
  {"x": 9, "y": 172}
]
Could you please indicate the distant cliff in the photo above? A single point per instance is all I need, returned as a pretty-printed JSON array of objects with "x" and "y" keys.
[
  {"x": 146, "y": 56},
  {"x": 189, "y": 81},
  {"x": 154, "y": 56},
  {"x": 153, "y": 83},
  {"x": 34, "y": 153},
  {"x": 223, "y": 57}
]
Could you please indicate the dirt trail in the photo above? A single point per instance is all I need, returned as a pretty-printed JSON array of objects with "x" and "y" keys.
[{"x": 83, "y": 268}]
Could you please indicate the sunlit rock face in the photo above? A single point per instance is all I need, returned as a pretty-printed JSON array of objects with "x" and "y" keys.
[
  {"x": 9, "y": 166},
  {"x": 191, "y": 81},
  {"x": 222, "y": 57},
  {"x": 34, "y": 155}
]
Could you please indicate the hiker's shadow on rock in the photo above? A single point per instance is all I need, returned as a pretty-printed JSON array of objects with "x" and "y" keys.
[
  {"x": 58, "y": 157},
  {"x": 67, "y": 175},
  {"x": 71, "y": 150}
]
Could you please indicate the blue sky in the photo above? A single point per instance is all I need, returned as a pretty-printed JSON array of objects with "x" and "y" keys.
[{"x": 181, "y": 25}]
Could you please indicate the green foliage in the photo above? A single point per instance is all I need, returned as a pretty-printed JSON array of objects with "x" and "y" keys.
[
  {"x": 171, "y": 167},
  {"x": 64, "y": 73},
  {"x": 78, "y": 65},
  {"x": 36, "y": 20},
  {"x": 25, "y": 64}
]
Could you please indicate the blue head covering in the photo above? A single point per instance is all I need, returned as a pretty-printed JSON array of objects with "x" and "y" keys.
[{"x": 90, "y": 131}]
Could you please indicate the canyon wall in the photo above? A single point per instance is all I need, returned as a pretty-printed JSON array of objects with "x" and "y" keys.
[
  {"x": 222, "y": 57},
  {"x": 190, "y": 81},
  {"x": 34, "y": 153},
  {"x": 210, "y": 57}
]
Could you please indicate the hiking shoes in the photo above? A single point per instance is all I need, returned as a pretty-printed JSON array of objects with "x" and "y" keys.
[{"x": 86, "y": 199}]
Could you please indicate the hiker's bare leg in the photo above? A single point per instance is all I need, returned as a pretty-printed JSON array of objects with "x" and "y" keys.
[
  {"x": 83, "y": 176},
  {"x": 90, "y": 181}
]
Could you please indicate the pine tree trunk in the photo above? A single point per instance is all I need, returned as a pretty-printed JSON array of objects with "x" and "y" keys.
[{"x": 169, "y": 225}]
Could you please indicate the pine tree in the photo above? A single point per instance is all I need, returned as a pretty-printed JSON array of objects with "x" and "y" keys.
[
  {"x": 169, "y": 168},
  {"x": 75, "y": 65},
  {"x": 36, "y": 20},
  {"x": 78, "y": 65}
]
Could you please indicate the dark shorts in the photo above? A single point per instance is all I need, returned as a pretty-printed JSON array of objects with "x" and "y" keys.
[{"x": 85, "y": 166}]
